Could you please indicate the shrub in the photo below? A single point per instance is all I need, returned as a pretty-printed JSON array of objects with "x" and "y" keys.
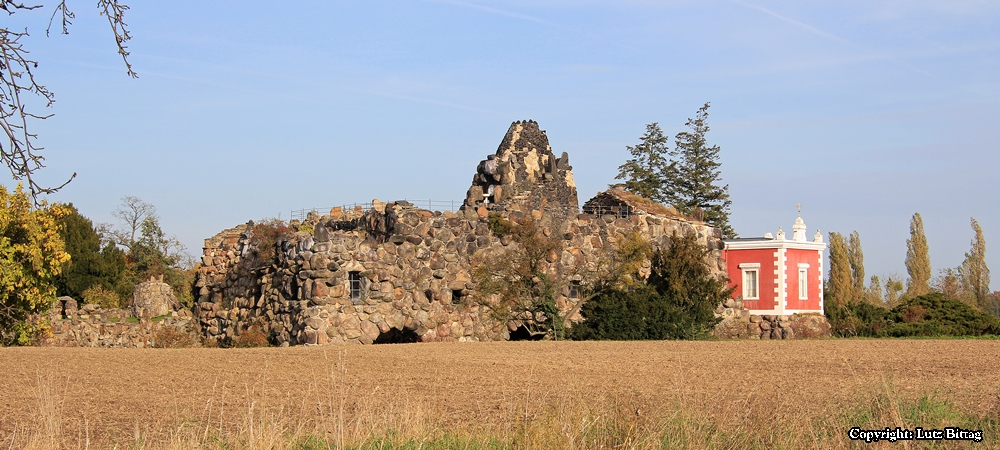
[
  {"x": 498, "y": 225},
  {"x": 265, "y": 238},
  {"x": 253, "y": 336},
  {"x": 940, "y": 316},
  {"x": 182, "y": 282},
  {"x": 174, "y": 337},
  {"x": 105, "y": 298},
  {"x": 927, "y": 315},
  {"x": 678, "y": 302}
]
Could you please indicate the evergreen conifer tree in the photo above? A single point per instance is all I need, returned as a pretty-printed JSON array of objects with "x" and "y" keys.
[
  {"x": 644, "y": 173},
  {"x": 918, "y": 263},
  {"x": 693, "y": 178}
]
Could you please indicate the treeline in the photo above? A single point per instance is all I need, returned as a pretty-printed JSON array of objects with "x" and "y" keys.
[
  {"x": 50, "y": 250},
  {"x": 957, "y": 302}
]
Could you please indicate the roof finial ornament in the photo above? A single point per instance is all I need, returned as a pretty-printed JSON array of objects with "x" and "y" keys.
[{"x": 798, "y": 207}]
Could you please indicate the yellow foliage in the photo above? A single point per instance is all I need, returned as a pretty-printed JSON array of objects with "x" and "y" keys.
[{"x": 32, "y": 254}]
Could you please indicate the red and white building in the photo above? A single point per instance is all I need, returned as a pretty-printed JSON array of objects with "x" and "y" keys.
[{"x": 775, "y": 275}]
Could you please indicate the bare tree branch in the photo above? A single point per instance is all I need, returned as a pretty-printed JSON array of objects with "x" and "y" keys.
[{"x": 20, "y": 153}]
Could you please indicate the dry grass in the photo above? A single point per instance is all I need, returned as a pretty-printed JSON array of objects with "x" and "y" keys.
[{"x": 728, "y": 394}]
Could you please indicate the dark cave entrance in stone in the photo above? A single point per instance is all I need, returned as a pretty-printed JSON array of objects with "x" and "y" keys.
[
  {"x": 398, "y": 336},
  {"x": 522, "y": 333}
]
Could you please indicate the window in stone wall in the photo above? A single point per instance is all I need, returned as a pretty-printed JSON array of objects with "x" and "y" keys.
[
  {"x": 356, "y": 285},
  {"x": 574, "y": 289}
]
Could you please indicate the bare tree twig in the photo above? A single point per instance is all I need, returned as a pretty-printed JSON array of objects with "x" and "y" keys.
[{"x": 20, "y": 153}]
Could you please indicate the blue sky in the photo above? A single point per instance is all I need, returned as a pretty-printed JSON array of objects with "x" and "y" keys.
[{"x": 862, "y": 111}]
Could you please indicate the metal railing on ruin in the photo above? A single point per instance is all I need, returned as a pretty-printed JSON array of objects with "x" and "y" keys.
[
  {"x": 430, "y": 205},
  {"x": 620, "y": 211}
]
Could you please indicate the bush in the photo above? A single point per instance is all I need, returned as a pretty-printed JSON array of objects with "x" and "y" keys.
[
  {"x": 174, "y": 337},
  {"x": 678, "y": 302},
  {"x": 498, "y": 225},
  {"x": 253, "y": 336},
  {"x": 927, "y": 315},
  {"x": 105, "y": 298},
  {"x": 265, "y": 238},
  {"x": 940, "y": 316}
]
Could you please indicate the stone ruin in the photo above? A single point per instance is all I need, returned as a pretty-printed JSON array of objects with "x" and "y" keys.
[
  {"x": 397, "y": 273},
  {"x": 524, "y": 175},
  {"x": 155, "y": 319}
]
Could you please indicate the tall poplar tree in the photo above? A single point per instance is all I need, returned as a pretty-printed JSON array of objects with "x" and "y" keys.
[
  {"x": 693, "y": 180},
  {"x": 645, "y": 172},
  {"x": 856, "y": 259},
  {"x": 840, "y": 281},
  {"x": 975, "y": 274},
  {"x": 918, "y": 263}
]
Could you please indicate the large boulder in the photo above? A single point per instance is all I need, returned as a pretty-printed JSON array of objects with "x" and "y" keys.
[
  {"x": 153, "y": 298},
  {"x": 810, "y": 325}
]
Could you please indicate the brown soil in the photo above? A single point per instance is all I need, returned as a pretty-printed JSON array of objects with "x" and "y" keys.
[{"x": 110, "y": 393}]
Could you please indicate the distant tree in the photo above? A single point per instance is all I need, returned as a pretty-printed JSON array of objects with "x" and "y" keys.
[
  {"x": 32, "y": 254},
  {"x": 856, "y": 258},
  {"x": 840, "y": 281},
  {"x": 149, "y": 251},
  {"x": 693, "y": 179},
  {"x": 918, "y": 263},
  {"x": 645, "y": 172},
  {"x": 874, "y": 292},
  {"x": 131, "y": 214},
  {"x": 22, "y": 154},
  {"x": 90, "y": 265},
  {"x": 975, "y": 274},
  {"x": 949, "y": 283},
  {"x": 893, "y": 291}
]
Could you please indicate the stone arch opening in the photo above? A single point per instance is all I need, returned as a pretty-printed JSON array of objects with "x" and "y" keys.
[
  {"x": 398, "y": 336},
  {"x": 522, "y": 333}
]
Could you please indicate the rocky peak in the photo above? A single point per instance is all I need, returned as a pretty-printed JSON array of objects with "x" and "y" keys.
[{"x": 524, "y": 174}]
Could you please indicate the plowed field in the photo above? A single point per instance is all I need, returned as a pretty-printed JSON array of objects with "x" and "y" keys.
[{"x": 106, "y": 396}]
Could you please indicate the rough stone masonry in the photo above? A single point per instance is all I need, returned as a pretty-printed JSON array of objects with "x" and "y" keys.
[{"x": 397, "y": 273}]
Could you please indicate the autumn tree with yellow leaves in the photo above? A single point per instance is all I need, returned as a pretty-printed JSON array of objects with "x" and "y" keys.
[{"x": 32, "y": 254}]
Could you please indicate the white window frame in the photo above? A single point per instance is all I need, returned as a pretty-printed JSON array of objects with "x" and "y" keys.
[
  {"x": 803, "y": 281},
  {"x": 748, "y": 268}
]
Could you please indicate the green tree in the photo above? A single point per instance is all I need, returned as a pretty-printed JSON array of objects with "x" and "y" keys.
[
  {"x": 90, "y": 265},
  {"x": 21, "y": 154},
  {"x": 32, "y": 254},
  {"x": 918, "y": 263},
  {"x": 682, "y": 276},
  {"x": 693, "y": 179},
  {"x": 893, "y": 291},
  {"x": 678, "y": 302},
  {"x": 856, "y": 259},
  {"x": 645, "y": 172},
  {"x": 840, "y": 280},
  {"x": 516, "y": 283},
  {"x": 975, "y": 274}
]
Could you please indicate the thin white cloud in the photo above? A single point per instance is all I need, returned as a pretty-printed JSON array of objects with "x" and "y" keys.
[
  {"x": 496, "y": 11},
  {"x": 792, "y": 21}
]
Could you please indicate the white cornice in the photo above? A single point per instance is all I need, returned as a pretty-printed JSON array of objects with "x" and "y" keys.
[{"x": 775, "y": 243}]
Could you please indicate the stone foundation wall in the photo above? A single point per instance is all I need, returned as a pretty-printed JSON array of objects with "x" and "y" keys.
[
  {"x": 738, "y": 323},
  {"x": 416, "y": 280},
  {"x": 91, "y": 326}
]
